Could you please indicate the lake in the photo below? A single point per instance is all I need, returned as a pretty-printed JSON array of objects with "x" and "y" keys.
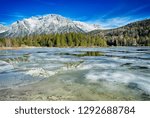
[{"x": 115, "y": 73}]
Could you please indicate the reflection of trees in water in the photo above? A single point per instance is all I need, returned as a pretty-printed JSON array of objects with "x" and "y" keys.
[
  {"x": 89, "y": 53},
  {"x": 94, "y": 54}
]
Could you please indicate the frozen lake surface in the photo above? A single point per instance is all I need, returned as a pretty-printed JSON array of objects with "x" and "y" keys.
[{"x": 120, "y": 71}]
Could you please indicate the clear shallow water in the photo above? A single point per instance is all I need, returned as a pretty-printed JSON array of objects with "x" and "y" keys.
[{"x": 122, "y": 71}]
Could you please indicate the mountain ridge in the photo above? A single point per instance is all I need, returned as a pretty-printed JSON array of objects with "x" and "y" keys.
[{"x": 46, "y": 24}]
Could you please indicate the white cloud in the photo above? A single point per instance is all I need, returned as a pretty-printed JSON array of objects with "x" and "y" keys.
[
  {"x": 112, "y": 11},
  {"x": 114, "y": 22},
  {"x": 17, "y": 15},
  {"x": 106, "y": 21}
]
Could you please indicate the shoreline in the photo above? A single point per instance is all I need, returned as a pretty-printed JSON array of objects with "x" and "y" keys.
[
  {"x": 16, "y": 48},
  {"x": 30, "y": 47}
]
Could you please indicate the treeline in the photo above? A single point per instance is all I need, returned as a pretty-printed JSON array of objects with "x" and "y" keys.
[
  {"x": 134, "y": 34},
  {"x": 54, "y": 40}
]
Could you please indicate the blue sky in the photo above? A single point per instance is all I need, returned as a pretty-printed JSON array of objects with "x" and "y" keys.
[{"x": 107, "y": 13}]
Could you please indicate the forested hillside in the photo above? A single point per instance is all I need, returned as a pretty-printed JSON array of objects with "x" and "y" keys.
[{"x": 134, "y": 34}]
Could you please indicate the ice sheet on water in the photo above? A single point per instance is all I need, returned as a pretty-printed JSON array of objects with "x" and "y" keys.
[
  {"x": 123, "y": 77},
  {"x": 46, "y": 62},
  {"x": 111, "y": 76},
  {"x": 4, "y": 66},
  {"x": 15, "y": 79}
]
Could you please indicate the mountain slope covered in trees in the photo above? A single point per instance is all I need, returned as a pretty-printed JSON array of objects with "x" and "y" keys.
[{"x": 133, "y": 34}]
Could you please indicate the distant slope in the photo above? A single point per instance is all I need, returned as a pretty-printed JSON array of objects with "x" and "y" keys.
[{"x": 137, "y": 33}]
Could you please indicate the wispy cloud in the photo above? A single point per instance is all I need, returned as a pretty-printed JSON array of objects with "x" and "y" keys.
[
  {"x": 114, "y": 22},
  {"x": 107, "y": 21},
  {"x": 17, "y": 15},
  {"x": 110, "y": 12},
  {"x": 136, "y": 10},
  {"x": 12, "y": 17}
]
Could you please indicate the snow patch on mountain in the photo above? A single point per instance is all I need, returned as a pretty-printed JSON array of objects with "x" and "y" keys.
[
  {"x": 87, "y": 27},
  {"x": 3, "y": 28}
]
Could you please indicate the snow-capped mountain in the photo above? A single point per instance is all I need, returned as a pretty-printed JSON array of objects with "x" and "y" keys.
[
  {"x": 87, "y": 27},
  {"x": 3, "y": 28},
  {"x": 45, "y": 25}
]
